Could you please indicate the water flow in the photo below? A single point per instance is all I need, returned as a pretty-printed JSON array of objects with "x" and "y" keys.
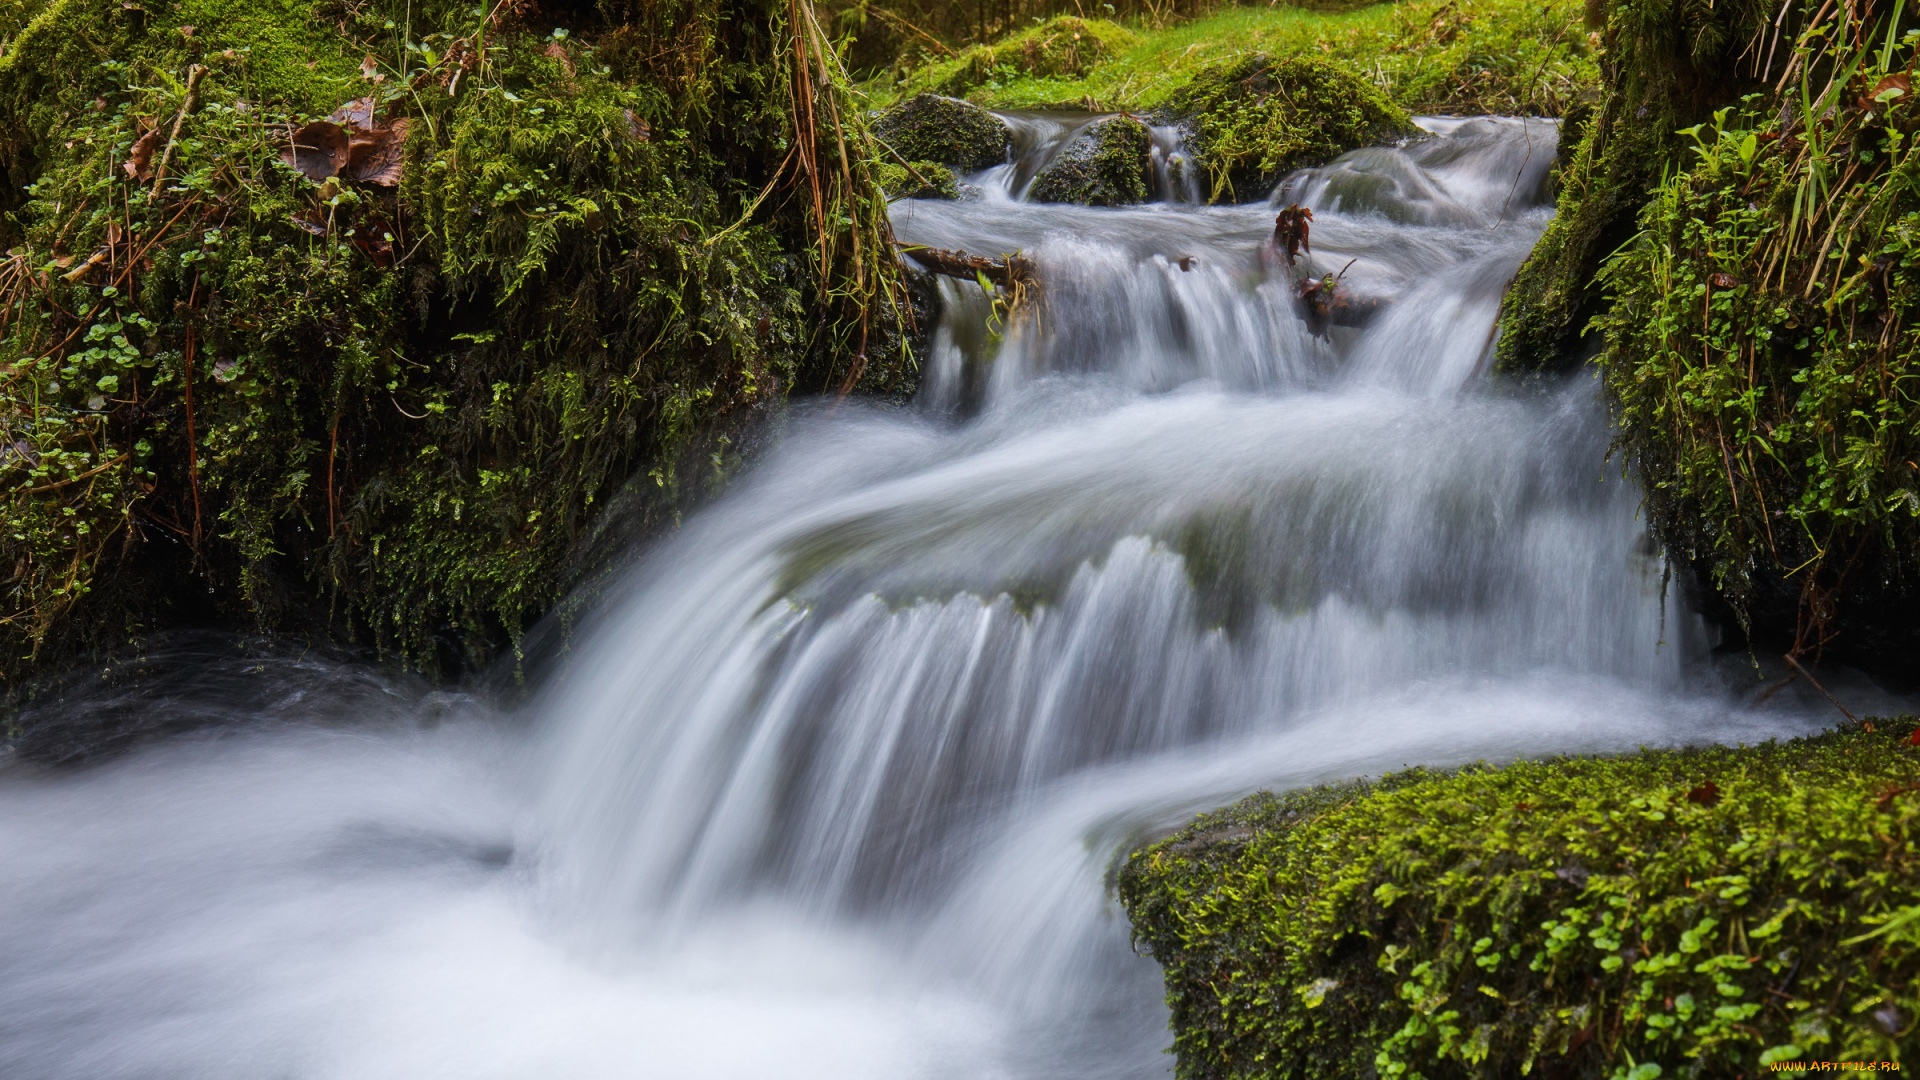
[{"x": 835, "y": 786}]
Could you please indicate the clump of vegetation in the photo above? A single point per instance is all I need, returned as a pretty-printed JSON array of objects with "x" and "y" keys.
[
  {"x": 1107, "y": 164},
  {"x": 918, "y": 180},
  {"x": 1756, "y": 320},
  {"x": 1064, "y": 47},
  {"x": 1705, "y": 912},
  {"x": 928, "y": 127},
  {"x": 1256, "y": 120},
  {"x": 352, "y": 320},
  {"x": 1461, "y": 57},
  {"x": 1668, "y": 65}
]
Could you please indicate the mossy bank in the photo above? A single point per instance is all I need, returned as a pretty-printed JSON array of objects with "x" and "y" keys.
[
  {"x": 531, "y": 271},
  {"x": 1671, "y": 913},
  {"x": 1735, "y": 247}
]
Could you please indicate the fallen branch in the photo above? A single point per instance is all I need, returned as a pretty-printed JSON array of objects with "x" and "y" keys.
[
  {"x": 1815, "y": 683},
  {"x": 1014, "y": 271},
  {"x": 1324, "y": 303},
  {"x": 194, "y": 75}
]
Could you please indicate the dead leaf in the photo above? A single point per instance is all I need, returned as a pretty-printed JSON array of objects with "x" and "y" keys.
[
  {"x": 370, "y": 70},
  {"x": 318, "y": 150},
  {"x": 187, "y": 31},
  {"x": 379, "y": 156},
  {"x": 312, "y": 221},
  {"x": 374, "y": 238},
  {"x": 1896, "y": 85},
  {"x": 1291, "y": 228},
  {"x": 1707, "y": 794},
  {"x": 1724, "y": 281},
  {"x": 557, "y": 51},
  {"x": 637, "y": 129},
  {"x": 355, "y": 115},
  {"x": 139, "y": 163}
]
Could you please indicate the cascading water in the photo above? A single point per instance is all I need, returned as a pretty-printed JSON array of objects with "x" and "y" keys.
[{"x": 833, "y": 788}]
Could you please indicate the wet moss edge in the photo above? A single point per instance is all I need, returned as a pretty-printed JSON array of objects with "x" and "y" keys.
[{"x": 1668, "y": 913}]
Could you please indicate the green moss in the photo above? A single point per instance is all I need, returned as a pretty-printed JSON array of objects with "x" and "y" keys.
[
  {"x": 1256, "y": 120},
  {"x": 918, "y": 180},
  {"x": 1700, "y": 912},
  {"x": 1754, "y": 317},
  {"x": 929, "y": 127},
  {"x": 1669, "y": 64},
  {"x": 1066, "y": 47},
  {"x": 407, "y": 405},
  {"x": 1106, "y": 164},
  {"x": 1462, "y": 57}
]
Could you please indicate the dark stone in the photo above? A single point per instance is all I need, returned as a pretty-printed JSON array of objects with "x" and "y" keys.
[
  {"x": 1107, "y": 164},
  {"x": 945, "y": 130}
]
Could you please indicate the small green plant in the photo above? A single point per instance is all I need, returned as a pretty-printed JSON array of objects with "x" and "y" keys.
[{"x": 1668, "y": 913}]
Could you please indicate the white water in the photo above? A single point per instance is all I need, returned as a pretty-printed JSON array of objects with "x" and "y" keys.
[{"x": 833, "y": 787}]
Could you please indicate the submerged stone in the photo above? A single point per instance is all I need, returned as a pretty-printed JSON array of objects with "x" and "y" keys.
[
  {"x": 1107, "y": 164},
  {"x": 945, "y": 130},
  {"x": 1256, "y": 120}
]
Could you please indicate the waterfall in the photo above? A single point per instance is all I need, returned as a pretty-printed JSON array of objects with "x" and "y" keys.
[{"x": 834, "y": 783}]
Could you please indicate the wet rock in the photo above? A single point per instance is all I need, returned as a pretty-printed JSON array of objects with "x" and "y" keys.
[
  {"x": 947, "y": 131},
  {"x": 919, "y": 180},
  {"x": 1256, "y": 120},
  {"x": 1107, "y": 164}
]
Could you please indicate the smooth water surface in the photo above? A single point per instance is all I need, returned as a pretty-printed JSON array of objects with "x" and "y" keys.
[{"x": 833, "y": 786}]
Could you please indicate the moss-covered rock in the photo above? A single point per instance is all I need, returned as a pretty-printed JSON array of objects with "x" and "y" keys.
[
  {"x": 1255, "y": 120},
  {"x": 928, "y": 127},
  {"x": 1108, "y": 163},
  {"x": 387, "y": 406},
  {"x": 1064, "y": 47},
  {"x": 918, "y": 180},
  {"x": 1696, "y": 913},
  {"x": 1761, "y": 342},
  {"x": 1670, "y": 64}
]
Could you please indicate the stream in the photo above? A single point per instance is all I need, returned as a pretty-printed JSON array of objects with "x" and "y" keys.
[{"x": 833, "y": 784}]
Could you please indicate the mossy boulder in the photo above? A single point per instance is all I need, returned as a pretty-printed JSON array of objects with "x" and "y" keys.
[
  {"x": 1255, "y": 120},
  {"x": 1107, "y": 163},
  {"x": 389, "y": 404},
  {"x": 1063, "y": 47},
  {"x": 1668, "y": 913},
  {"x": 1761, "y": 347},
  {"x": 918, "y": 180},
  {"x": 944, "y": 130}
]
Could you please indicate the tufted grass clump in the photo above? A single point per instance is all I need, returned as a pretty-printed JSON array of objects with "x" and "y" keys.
[
  {"x": 399, "y": 412},
  {"x": 1705, "y": 912}
]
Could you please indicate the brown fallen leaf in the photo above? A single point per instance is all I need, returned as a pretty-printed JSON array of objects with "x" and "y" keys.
[
  {"x": 312, "y": 221},
  {"x": 1291, "y": 230},
  {"x": 318, "y": 149},
  {"x": 1899, "y": 84},
  {"x": 378, "y": 156},
  {"x": 139, "y": 163},
  {"x": 557, "y": 51},
  {"x": 355, "y": 115},
  {"x": 370, "y": 70},
  {"x": 1724, "y": 281},
  {"x": 1707, "y": 794},
  {"x": 374, "y": 238},
  {"x": 637, "y": 129}
]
